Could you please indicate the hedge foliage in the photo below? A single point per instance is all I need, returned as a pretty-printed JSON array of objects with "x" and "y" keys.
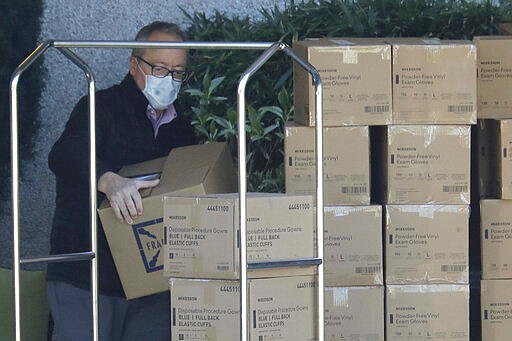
[{"x": 270, "y": 91}]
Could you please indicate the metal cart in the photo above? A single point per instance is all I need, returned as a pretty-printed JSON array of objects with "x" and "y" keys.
[{"x": 269, "y": 49}]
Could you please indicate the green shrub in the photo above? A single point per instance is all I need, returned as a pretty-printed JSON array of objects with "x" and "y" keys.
[{"x": 269, "y": 93}]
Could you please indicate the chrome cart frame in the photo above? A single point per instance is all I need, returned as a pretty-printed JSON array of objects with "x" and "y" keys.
[{"x": 64, "y": 47}]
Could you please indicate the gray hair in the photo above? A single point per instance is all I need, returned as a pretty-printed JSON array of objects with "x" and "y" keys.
[{"x": 157, "y": 26}]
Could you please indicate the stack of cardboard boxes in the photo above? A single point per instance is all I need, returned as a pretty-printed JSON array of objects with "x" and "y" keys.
[
  {"x": 495, "y": 185},
  {"x": 356, "y": 95},
  {"x": 417, "y": 98},
  {"x": 202, "y": 263},
  {"x": 189, "y": 238}
]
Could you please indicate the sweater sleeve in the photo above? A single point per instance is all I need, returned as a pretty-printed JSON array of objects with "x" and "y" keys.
[{"x": 69, "y": 158}]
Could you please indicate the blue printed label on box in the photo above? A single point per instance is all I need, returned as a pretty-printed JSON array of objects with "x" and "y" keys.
[{"x": 149, "y": 237}]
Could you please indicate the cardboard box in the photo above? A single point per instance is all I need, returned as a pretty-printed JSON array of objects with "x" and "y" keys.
[
  {"x": 427, "y": 244},
  {"x": 137, "y": 249},
  {"x": 353, "y": 245},
  {"x": 496, "y": 309},
  {"x": 346, "y": 163},
  {"x": 496, "y": 238},
  {"x": 283, "y": 307},
  {"x": 494, "y": 65},
  {"x": 354, "y": 313},
  {"x": 205, "y": 309},
  {"x": 355, "y": 82},
  {"x": 434, "y": 81},
  {"x": 427, "y": 312},
  {"x": 210, "y": 309},
  {"x": 279, "y": 227},
  {"x": 427, "y": 164}
]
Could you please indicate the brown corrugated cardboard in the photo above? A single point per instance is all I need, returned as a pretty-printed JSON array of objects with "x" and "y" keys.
[
  {"x": 354, "y": 313},
  {"x": 496, "y": 309},
  {"x": 427, "y": 244},
  {"x": 496, "y": 238},
  {"x": 494, "y": 64},
  {"x": 287, "y": 311},
  {"x": 434, "y": 82},
  {"x": 210, "y": 309},
  {"x": 355, "y": 82},
  {"x": 279, "y": 227},
  {"x": 353, "y": 245},
  {"x": 427, "y": 312},
  {"x": 346, "y": 163},
  {"x": 205, "y": 309},
  {"x": 427, "y": 164},
  {"x": 137, "y": 249}
]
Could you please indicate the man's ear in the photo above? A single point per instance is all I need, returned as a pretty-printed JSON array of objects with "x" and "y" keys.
[{"x": 133, "y": 65}]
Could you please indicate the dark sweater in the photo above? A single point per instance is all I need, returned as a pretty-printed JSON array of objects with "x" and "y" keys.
[{"x": 124, "y": 135}]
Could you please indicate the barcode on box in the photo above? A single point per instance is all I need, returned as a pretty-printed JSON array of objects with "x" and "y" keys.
[
  {"x": 222, "y": 267},
  {"x": 453, "y": 268},
  {"x": 376, "y": 108},
  {"x": 455, "y": 188},
  {"x": 460, "y": 108},
  {"x": 367, "y": 269},
  {"x": 354, "y": 189}
]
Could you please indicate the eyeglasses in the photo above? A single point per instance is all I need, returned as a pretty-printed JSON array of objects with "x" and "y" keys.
[{"x": 161, "y": 72}]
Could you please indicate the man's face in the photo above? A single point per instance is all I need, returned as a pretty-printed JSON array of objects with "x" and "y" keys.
[{"x": 172, "y": 59}]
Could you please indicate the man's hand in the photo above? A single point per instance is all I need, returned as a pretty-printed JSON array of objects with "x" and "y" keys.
[{"x": 123, "y": 194}]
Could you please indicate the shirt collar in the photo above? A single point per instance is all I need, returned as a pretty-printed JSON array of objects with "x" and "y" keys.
[{"x": 158, "y": 120}]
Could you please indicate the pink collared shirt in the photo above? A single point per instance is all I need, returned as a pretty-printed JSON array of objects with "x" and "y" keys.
[{"x": 167, "y": 116}]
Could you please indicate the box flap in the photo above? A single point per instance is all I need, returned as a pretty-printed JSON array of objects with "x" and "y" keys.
[
  {"x": 143, "y": 168},
  {"x": 183, "y": 159},
  {"x": 178, "y": 181},
  {"x": 209, "y": 166}
]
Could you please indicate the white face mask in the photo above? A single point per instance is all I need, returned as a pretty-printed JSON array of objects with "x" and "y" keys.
[{"x": 161, "y": 92}]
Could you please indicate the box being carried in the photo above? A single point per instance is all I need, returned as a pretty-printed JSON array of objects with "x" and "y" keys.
[
  {"x": 356, "y": 82},
  {"x": 202, "y": 232},
  {"x": 138, "y": 248}
]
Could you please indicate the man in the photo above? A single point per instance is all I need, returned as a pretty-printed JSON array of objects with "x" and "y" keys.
[{"x": 135, "y": 121}]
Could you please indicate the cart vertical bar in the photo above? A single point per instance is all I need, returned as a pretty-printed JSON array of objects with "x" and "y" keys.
[
  {"x": 92, "y": 185},
  {"x": 15, "y": 179},
  {"x": 271, "y": 48},
  {"x": 242, "y": 190},
  {"x": 319, "y": 185}
]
